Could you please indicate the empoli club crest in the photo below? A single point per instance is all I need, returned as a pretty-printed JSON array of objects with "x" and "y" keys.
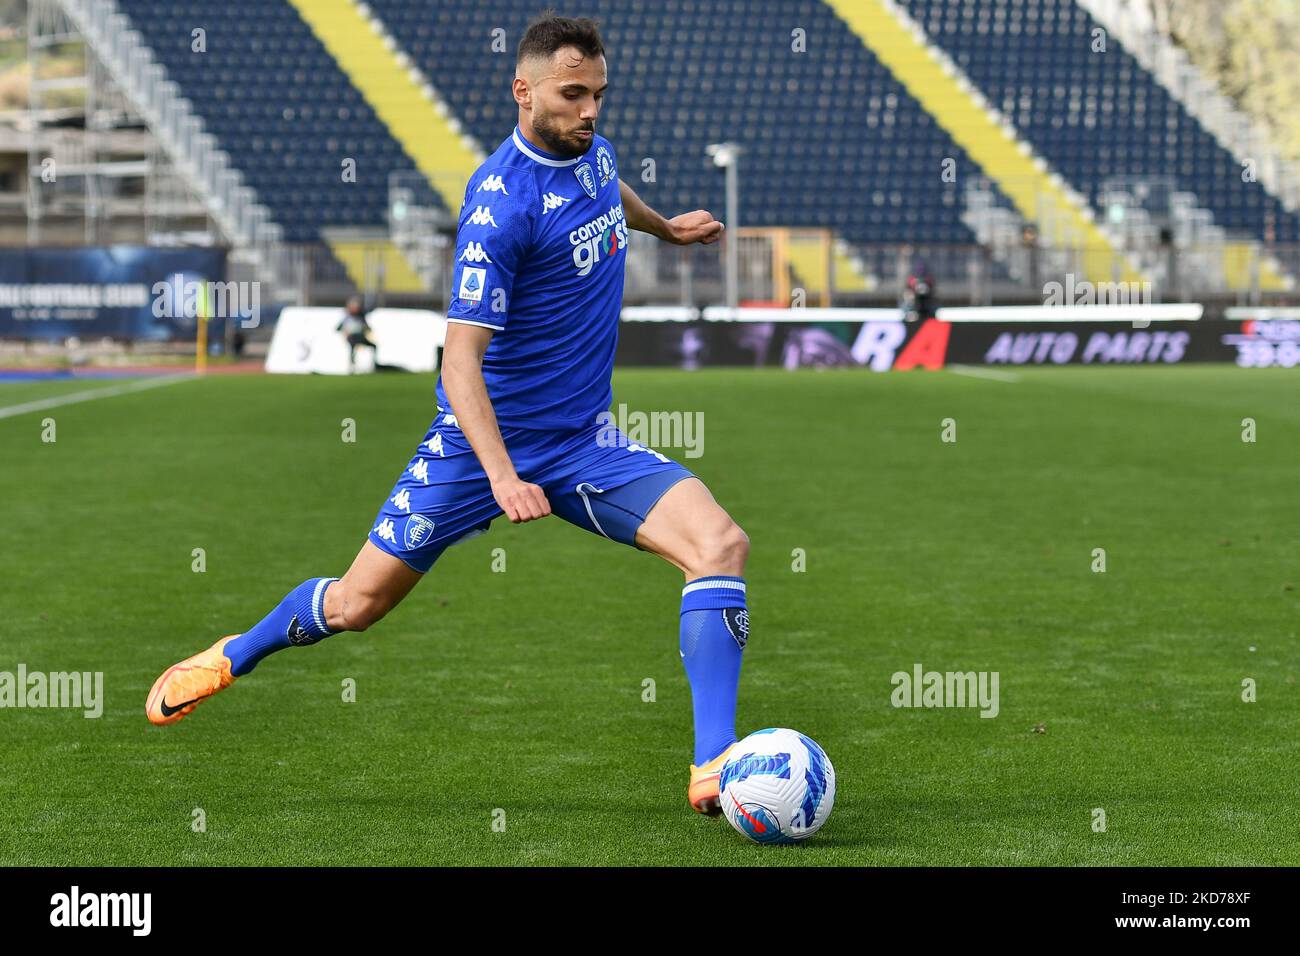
[{"x": 587, "y": 178}]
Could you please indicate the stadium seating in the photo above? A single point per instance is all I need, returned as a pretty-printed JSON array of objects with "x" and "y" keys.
[
  {"x": 1093, "y": 115},
  {"x": 863, "y": 166},
  {"x": 282, "y": 109},
  {"x": 831, "y": 138}
]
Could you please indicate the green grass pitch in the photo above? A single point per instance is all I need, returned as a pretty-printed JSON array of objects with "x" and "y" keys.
[{"x": 523, "y": 690}]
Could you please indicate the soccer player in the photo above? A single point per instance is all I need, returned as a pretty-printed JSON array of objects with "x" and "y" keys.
[{"x": 532, "y": 328}]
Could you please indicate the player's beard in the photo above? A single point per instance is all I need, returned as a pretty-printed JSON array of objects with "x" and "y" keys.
[{"x": 557, "y": 140}]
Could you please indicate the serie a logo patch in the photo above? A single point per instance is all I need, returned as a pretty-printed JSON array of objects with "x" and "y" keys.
[{"x": 471, "y": 284}]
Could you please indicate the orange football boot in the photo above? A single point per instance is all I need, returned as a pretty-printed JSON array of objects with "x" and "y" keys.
[
  {"x": 703, "y": 789},
  {"x": 183, "y": 686}
]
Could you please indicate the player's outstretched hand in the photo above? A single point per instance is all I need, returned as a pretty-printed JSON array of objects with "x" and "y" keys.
[
  {"x": 520, "y": 500},
  {"x": 698, "y": 226}
]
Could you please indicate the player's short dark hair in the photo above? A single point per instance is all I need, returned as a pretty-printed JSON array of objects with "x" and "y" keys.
[{"x": 550, "y": 32}]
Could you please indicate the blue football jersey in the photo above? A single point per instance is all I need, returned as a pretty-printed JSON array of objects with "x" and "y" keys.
[{"x": 539, "y": 259}]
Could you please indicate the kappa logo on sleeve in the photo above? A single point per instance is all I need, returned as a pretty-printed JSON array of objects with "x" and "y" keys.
[
  {"x": 492, "y": 184},
  {"x": 474, "y": 253},
  {"x": 482, "y": 216}
]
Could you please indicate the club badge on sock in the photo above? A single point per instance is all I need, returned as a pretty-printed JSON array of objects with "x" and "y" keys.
[
  {"x": 298, "y": 635},
  {"x": 737, "y": 621}
]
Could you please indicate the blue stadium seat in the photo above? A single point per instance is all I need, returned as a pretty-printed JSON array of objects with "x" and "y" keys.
[
  {"x": 1093, "y": 116},
  {"x": 279, "y": 105},
  {"x": 685, "y": 74}
]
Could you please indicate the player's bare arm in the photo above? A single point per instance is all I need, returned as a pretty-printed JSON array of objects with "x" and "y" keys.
[
  {"x": 696, "y": 226},
  {"x": 462, "y": 377}
]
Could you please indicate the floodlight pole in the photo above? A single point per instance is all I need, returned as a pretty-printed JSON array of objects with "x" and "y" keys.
[{"x": 727, "y": 156}]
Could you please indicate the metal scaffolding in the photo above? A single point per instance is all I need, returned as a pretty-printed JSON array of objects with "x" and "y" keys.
[{"x": 92, "y": 162}]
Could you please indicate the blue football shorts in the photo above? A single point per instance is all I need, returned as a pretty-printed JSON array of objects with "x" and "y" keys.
[{"x": 592, "y": 476}]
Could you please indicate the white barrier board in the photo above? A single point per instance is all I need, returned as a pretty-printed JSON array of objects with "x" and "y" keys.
[{"x": 307, "y": 340}]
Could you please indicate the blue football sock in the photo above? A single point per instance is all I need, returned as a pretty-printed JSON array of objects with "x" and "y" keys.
[
  {"x": 299, "y": 619},
  {"x": 714, "y": 630}
]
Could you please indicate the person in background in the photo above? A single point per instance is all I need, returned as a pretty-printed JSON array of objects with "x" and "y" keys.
[
  {"x": 918, "y": 293},
  {"x": 356, "y": 328}
]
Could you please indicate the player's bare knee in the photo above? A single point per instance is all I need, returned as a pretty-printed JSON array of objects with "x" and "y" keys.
[
  {"x": 721, "y": 552},
  {"x": 735, "y": 548}
]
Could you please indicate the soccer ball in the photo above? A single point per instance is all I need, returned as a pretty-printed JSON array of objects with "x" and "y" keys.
[{"x": 777, "y": 786}]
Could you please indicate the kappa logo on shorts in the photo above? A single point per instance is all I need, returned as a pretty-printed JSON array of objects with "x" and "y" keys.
[
  {"x": 419, "y": 530},
  {"x": 737, "y": 621}
]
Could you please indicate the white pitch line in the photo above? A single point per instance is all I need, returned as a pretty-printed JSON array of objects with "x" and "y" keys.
[
  {"x": 10, "y": 411},
  {"x": 990, "y": 373}
]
